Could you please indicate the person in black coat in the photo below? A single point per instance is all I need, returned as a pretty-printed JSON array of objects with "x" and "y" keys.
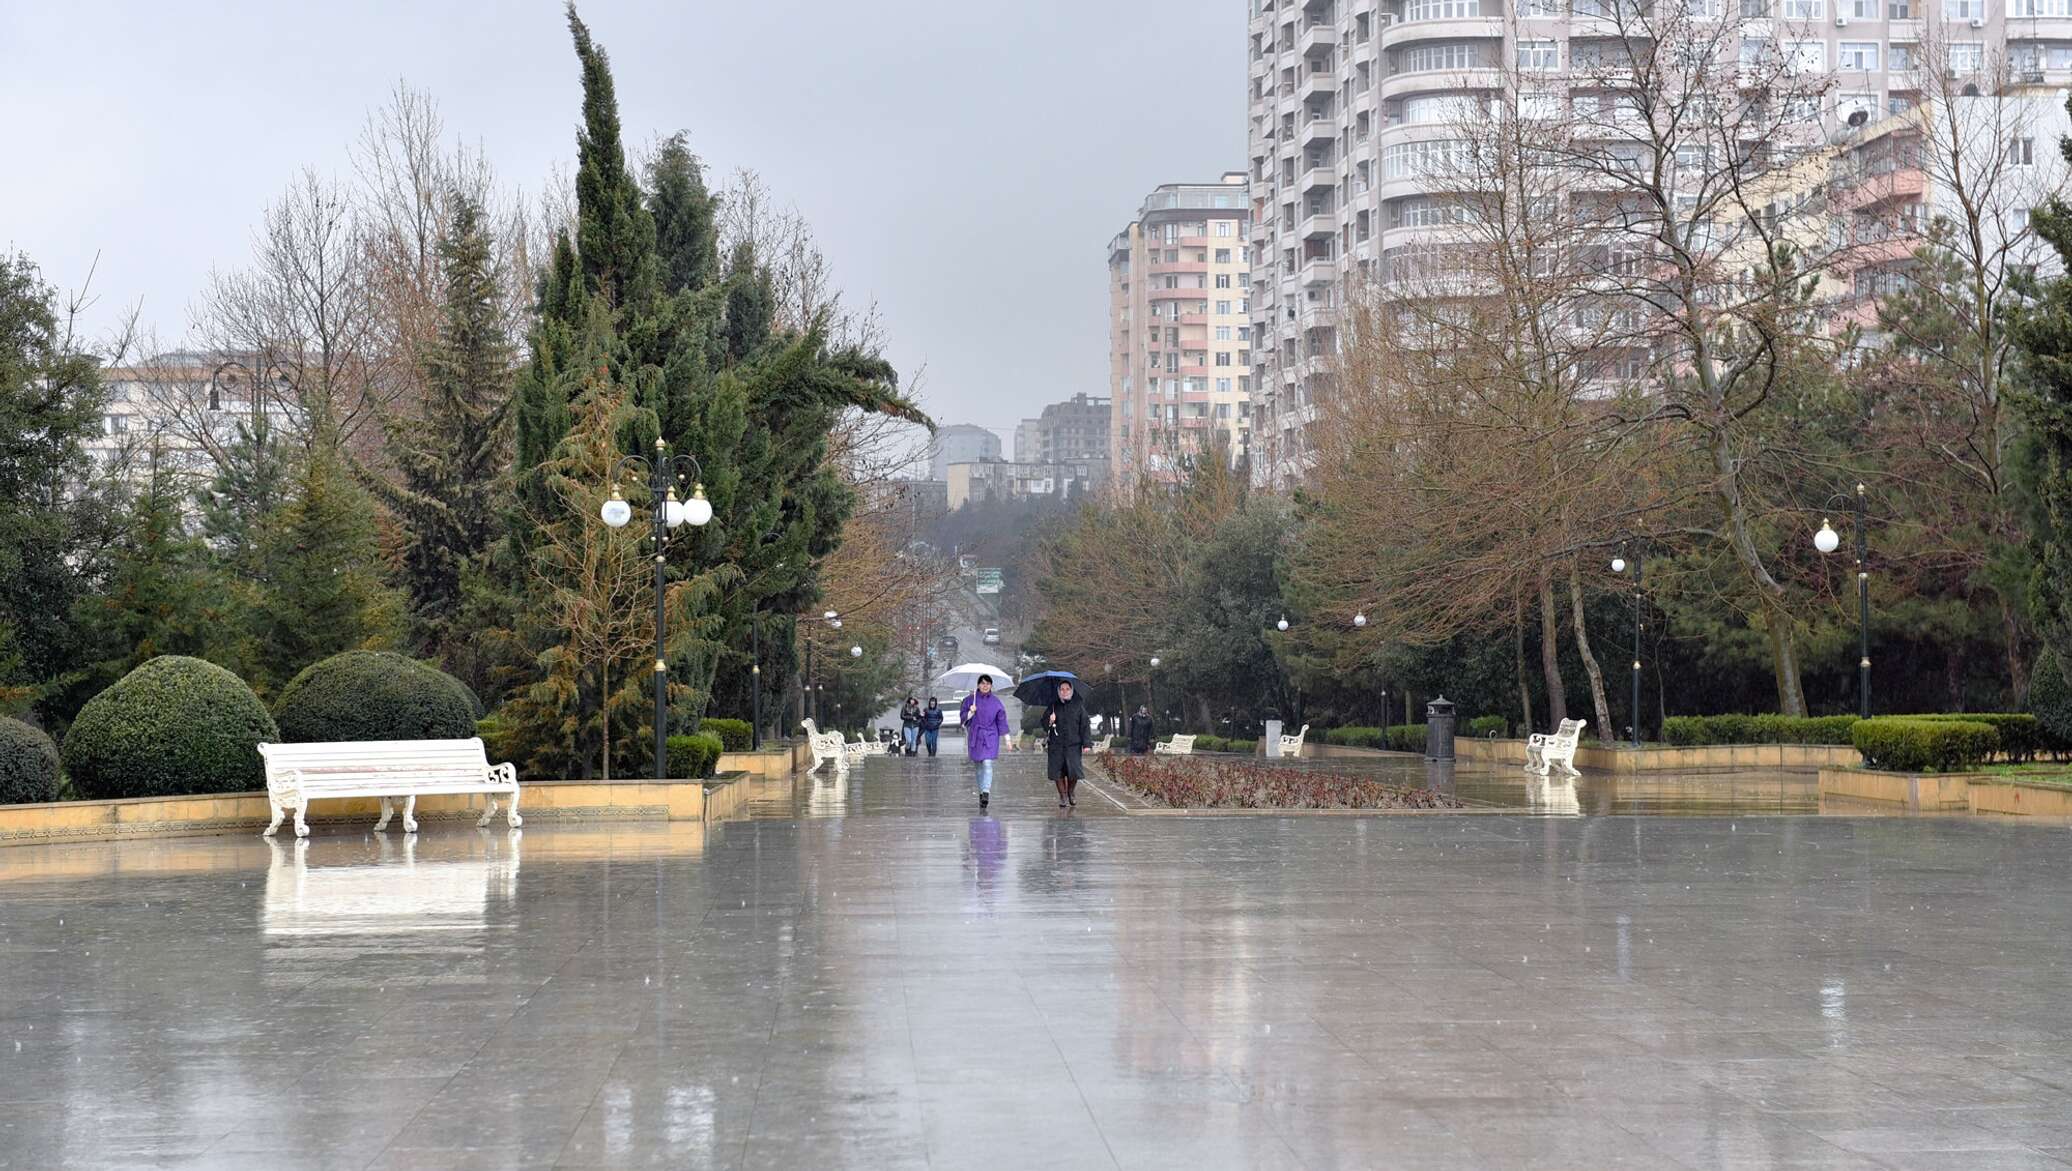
[
  {"x": 931, "y": 724},
  {"x": 1071, "y": 732},
  {"x": 1140, "y": 731},
  {"x": 910, "y": 725}
]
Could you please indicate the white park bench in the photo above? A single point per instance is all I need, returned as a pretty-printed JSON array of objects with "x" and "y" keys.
[
  {"x": 1177, "y": 746},
  {"x": 1544, "y": 750},
  {"x": 826, "y": 746},
  {"x": 1102, "y": 744},
  {"x": 1292, "y": 745},
  {"x": 854, "y": 753},
  {"x": 297, "y": 774}
]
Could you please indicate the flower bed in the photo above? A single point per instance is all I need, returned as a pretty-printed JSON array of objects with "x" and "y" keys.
[{"x": 1193, "y": 783}]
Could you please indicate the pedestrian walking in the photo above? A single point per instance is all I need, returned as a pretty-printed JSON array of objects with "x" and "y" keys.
[
  {"x": 1071, "y": 732},
  {"x": 986, "y": 731},
  {"x": 1140, "y": 731},
  {"x": 931, "y": 724},
  {"x": 910, "y": 725}
]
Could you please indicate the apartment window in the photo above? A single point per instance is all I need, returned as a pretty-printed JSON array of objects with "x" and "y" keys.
[
  {"x": 1244, "y": 281},
  {"x": 1449, "y": 108},
  {"x": 1539, "y": 9},
  {"x": 1429, "y": 212},
  {"x": 1223, "y": 308},
  {"x": 1432, "y": 58},
  {"x": 1807, "y": 56},
  {"x": 1967, "y": 57},
  {"x": 1223, "y": 386},
  {"x": 1222, "y": 333},
  {"x": 1899, "y": 58},
  {"x": 1441, "y": 9},
  {"x": 1754, "y": 51},
  {"x": 1965, "y": 9},
  {"x": 1225, "y": 227},
  {"x": 1406, "y": 159},
  {"x": 1861, "y": 9},
  {"x": 1899, "y": 9},
  {"x": 1222, "y": 357},
  {"x": 2021, "y": 152},
  {"x": 118, "y": 424},
  {"x": 1859, "y": 56},
  {"x": 1755, "y": 9},
  {"x": 1222, "y": 256},
  {"x": 2041, "y": 8},
  {"x": 1244, "y": 358},
  {"x": 1805, "y": 9},
  {"x": 1539, "y": 54},
  {"x": 1244, "y": 333},
  {"x": 1222, "y": 280},
  {"x": 1691, "y": 157}
]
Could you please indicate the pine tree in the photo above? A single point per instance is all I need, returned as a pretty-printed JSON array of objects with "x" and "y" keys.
[
  {"x": 451, "y": 450},
  {"x": 251, "y": 480},
  {"x": 50, "y": 531},
  {"x": 160, "y": 598},
  {"x": 321, "y": 590},
  {"x": 686, "y": 236},
  {"x": 2043, "y": 331}
]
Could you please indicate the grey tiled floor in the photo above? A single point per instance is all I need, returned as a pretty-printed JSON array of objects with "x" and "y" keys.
[{"x": 888, "y": 981}]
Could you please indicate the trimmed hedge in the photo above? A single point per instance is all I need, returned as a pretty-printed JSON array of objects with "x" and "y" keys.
[
  {"x": 1407, "y": 737},
  {"x": 1208, "y": 743},
  {"x": 174, "y": 725},
  {"x": 28, "y": 764},
  {"x": 2050, "y": 699},
  {"x": 693, "y": 757},
  {"x": 2021, "y": 734},
  {"x": 1691, "y": 731},
  {"x": 1914, "y": 744},
  {"x": 1357, "y": 737},
  {"x": 374, "y": 695},
  {"x": 735, "y": 734},
  {"x": 1489, "y": 727}
]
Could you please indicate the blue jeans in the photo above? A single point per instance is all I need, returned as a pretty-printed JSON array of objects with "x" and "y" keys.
[
  {"x": 985, "y": 776},
  {"x": 911, "y": 734},
  {"x": 930, "y": 736}
]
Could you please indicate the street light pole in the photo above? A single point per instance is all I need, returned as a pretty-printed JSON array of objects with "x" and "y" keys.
[
  {"x": 1619, "y": 566},
  {"x": 1827, "y": 541},
  {"x": 755, "y": 682},
  {"x": 663, "y": 473}
]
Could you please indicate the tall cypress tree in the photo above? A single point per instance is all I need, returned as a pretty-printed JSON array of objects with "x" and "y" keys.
[
  {"x": 2044, "y": 333},
  {"x": 451, "y": 449},
  {"x": 686, "y": 234}
]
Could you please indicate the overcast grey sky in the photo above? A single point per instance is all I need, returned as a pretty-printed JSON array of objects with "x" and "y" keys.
[{"x": 963, "y": 164}]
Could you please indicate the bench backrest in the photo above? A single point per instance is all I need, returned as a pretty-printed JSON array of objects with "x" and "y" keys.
[
  {"x": 1569, "y": 733},
  {"x": 1182, "y": 743},
  {"x": 345, "y": 763}
]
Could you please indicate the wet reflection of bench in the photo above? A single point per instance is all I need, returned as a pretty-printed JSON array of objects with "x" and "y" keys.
[{"x": 396, "y": 893}]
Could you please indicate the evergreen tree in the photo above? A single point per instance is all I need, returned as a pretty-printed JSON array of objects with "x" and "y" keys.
[
  {"x": 2043, "y": 331},
  {"x": 251, "y": 480},
  {"x": 160, "y": 598},
  {"x": 451, "y": 449},
  {"x": 50, "y": 528},
  {"x": 321, "y": 590},
  {"x": 686, "y": 236}
]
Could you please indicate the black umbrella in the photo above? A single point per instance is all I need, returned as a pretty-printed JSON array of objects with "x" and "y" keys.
[{"x": 1041, "y": 689}]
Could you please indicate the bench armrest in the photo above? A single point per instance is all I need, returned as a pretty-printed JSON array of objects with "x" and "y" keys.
[{"x": 504, "y": 774}]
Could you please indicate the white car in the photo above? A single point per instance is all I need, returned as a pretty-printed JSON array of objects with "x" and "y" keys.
[{"x": 992, "y": 636}]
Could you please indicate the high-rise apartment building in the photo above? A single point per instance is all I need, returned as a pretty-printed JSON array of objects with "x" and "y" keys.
[
  {"x": 1180, "y": 348},
  {"x": 1348, "y": 99},
  {"x": 960, "y": 443}
]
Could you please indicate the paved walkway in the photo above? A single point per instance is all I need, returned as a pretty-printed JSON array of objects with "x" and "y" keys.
[{"x": 909, "y": 985}]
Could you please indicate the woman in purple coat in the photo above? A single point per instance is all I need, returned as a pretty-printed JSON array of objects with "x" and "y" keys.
[{"x": 985, "y": 730}]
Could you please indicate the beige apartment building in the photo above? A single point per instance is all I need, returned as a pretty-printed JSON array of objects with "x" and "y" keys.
[
  {"x": 1180, "y": 326},
  {"x": 1349, "y": 99}
]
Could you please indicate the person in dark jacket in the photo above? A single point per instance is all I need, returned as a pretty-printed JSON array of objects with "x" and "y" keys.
[
  {"x": 910, "y": 725},
  {"x": 1140, "y": 731},
  {"x": 931, "y": 724},
  {"x": 1071, "y": 733}
]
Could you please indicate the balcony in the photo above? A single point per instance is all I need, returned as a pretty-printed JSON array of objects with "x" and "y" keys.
[
  {"x": 1318, "y": 35},
  {"x": 1317, "y": 177},
  {"x": 1176, "y": 294},
  {"x": 1456, "y": 28},
  {"x": 1903, "y": 185},
  {"x": 1397, "y": 85},
  {"x": 1194, "y": 319},
  {"x": 1322, "y": 129},
  {"x": 1169, "y": 267},
  {"x": 1319, "y": 271},
  {"x": 1320, "y": 225},
  {"x": 1317, "y": 83}
]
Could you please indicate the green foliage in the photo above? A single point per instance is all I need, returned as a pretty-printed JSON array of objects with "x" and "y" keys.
[
  {"x": 1910, "y": 744},
  {"x": 50, "y": 531},
  {"x": 693, "y": 756},
  {"x": 2043, "y": 333},
  {"x": 735, "y": 734},
  {"x": 374, "y": 695},
  {"x": 1407, "y": 737},
  {"x": 1488, "y": 727},
  {"x": 1762, "y": 729},
  {"x": 254, "y": 473},
  {"x": 1357, "y": 737},
  {"x": 174, "y": 725},
  {"x": 161, "y": 597},
  {"x": 322, "y": 592},
  {"x": 2050, "y": 699},
  {"x": 2020, "y": 734},
  {"x": 1206, "y": 743},
  {"x": 28, "y": 764},
  {"x": 686, "y": 236}
]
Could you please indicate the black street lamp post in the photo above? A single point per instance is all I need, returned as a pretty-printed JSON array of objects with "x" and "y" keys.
[
  {"x": 1619, "y": 566},
  {"x": 1827, "y": 541},
  {"x": 664, "y": 472}
]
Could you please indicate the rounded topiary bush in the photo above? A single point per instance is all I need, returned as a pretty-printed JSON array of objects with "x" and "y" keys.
[
  {"x": 174, "y": 725},
  {"x": 374, "y": 695},
  {"x": 2050, "y": 698},
  {"x": 28, "y": 764}
]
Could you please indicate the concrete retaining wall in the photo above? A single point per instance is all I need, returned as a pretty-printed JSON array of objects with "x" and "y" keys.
[
  {"x": 1707, "y": 758},
  {"x": 1947, "y": 792}
]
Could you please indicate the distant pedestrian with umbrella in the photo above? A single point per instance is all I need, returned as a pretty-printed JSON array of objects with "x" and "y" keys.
[
  {"x": 1067, "y": 724},
  {"x": 986, "y": 730}
]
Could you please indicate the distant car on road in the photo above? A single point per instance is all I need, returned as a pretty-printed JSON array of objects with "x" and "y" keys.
[{"x": 992, "y": 637}]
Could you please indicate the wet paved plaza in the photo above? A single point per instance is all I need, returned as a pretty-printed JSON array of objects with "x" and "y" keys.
[{"x": 874, "y": 976}]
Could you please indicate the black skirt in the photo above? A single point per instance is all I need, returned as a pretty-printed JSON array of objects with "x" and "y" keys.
[{"x": 1064, "y": 761}]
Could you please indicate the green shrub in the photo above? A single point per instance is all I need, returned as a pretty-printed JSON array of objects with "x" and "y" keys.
[
  {"x": 735, "y": 734},
  {"x": 2021, "y": 734},
  {"x": 1407, "y": 737},
  {"x": 1208, "y": 743},
  {"x": 374, "y": 695},
  {"x": 1913, "y": 744},
  {"x": 691, "y": 757},
  {"x": 28, "y": 764},
  {"x": 2050, "y": 700},
  {"x": 1357, "y": 737},
  {"x": 1488, "y": 727},
  {"x": 1763, "y": 729},
  {"x": 174, "y": 725}
]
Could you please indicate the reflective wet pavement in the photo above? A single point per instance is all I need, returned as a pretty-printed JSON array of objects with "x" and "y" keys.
[{"x": 909, "y": 985}]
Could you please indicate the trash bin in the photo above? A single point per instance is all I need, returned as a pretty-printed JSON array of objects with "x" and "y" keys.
[
  {"x": 1271, "y": 741},
  {"x": 1439, "y": 716}
]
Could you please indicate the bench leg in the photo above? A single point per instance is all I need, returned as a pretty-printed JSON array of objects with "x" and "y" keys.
[
  {"x": 274, "y": 805},
  {"x": 387, "y": 811},
  {"x": 301, "y": 825},
  {"x": 410, "y": 814},
  {"x": 486, "y": 814},
  {"x": 511, "y": 818}
]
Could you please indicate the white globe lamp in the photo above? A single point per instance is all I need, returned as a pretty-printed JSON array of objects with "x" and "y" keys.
[
  {"x": 1827, "y": 540},
  {"x": 699, "y": 510},
  {"x": 1360, "y": 619},
  {"x": 1618, "y": 565},
  {"x": 616, "y": 512}
]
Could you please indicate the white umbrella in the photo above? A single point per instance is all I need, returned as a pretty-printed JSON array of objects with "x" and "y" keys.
[{"x": 964, "y": 677}]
